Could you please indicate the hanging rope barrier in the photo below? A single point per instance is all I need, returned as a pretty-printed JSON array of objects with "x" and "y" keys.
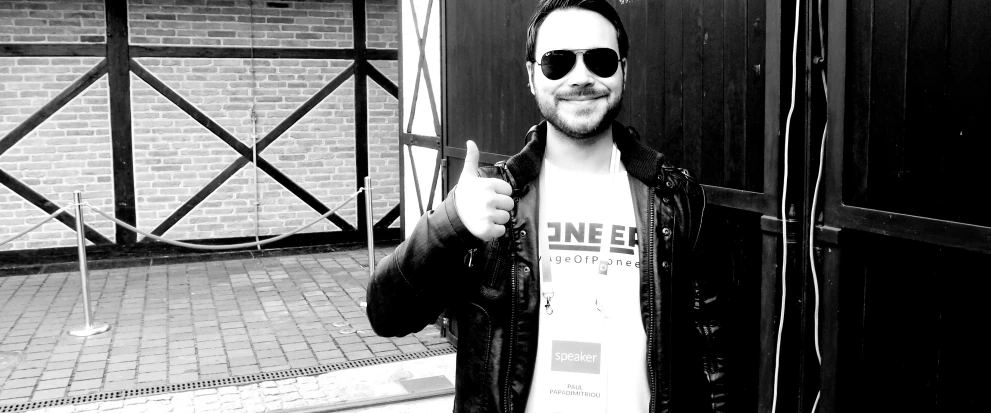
[
  {"x": 91, "y": 328},
  {"x": 35, "y": 226},
  {"x": 230, "y": 246}
]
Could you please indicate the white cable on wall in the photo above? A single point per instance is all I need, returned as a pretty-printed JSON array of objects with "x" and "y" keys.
[{"x": 784, "y": 213}]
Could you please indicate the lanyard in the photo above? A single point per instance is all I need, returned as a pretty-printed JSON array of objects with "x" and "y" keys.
[{"x": 547, "y": 287}]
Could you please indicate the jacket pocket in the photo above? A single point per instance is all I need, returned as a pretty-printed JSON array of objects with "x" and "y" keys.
[
  {"x": 475, "y": 359},
  {"x": 487, "y": 270}
]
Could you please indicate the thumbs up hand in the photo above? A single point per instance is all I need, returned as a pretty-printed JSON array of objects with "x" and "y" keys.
[{"x": 483, "y": 203}]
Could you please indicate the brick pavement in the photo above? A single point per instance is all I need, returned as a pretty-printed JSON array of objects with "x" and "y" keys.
[{"x": 182, "y": 323}]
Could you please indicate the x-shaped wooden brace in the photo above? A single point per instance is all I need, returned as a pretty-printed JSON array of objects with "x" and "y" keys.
[
  {"x": 422, "y": 68},
  {"x": 244, "y": 150}
]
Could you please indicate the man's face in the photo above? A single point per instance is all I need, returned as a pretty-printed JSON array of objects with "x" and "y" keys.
[{"x": 581, "y": 104}]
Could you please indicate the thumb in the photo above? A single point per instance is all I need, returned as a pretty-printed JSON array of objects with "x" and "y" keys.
[{"x": 471, "y": 160}]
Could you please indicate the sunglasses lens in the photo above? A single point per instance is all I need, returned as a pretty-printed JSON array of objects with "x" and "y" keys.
[
  {"x": 603, "y": 62},
  {"x": 557, "y": 63}
]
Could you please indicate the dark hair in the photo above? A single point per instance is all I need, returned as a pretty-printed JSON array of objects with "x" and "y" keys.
[{"x": 599, "y": 6}]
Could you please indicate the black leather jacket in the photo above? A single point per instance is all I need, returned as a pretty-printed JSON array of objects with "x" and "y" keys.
[{"x": 492, "y": 292}]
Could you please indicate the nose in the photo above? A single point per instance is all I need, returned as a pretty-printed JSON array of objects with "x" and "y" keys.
[{"x": 580, "y": 75}]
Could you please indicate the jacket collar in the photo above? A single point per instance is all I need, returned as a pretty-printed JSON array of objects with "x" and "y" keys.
[{"x": 640, "y": 161}]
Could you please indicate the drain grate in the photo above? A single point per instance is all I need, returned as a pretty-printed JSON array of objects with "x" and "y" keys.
[{"x": 230, "y": 381}]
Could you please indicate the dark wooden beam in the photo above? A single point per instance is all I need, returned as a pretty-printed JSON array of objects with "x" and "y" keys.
[
  {"x": 118, "y": 68},
  {"x": 53, "y": 50},
  {"x": 49, "y": 207},
  {"x": 772, "y": 104},
  {"x": 303, "y": 194},
  {"x": 198, "y": 198},
  {"x": 360, "y": 107},
  {"x": 190, "y": 109},
  {"x": 306, "y": 107},
  {"x": 241, "y": 52},
  {"x": 388, "y": 218},
  {"x": 100, "y": 50},
  {"x": 433, "y": 179},
  {"x": 422, "y": 141},
  {"x": 45, "y": 112},
  {"x": 769, "y": 309},
  {"x": 416, "y": 178},
  {"x": 425, "y": 70},
  {"x": 381, "y": 54},
  {"x": 832, "y": 190},
  {"x": 402, "y": 116},
  {"x": 930, "y": 230},
  {"x": 383, "y": 81},
  {"x": 829, "y": 341},
  {"x": 259, "y": 53},
  {"x": 739, "y": 199}
]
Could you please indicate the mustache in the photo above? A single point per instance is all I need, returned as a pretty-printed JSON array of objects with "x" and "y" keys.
[{"x": 583, "y": 92}]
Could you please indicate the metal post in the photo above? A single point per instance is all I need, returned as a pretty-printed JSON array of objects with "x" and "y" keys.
[
  {"x": 89, "y": 329},
  {"x": 369, "y": 222}
]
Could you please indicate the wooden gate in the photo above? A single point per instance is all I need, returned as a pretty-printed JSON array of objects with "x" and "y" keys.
[{"x": 710, "y": 85}]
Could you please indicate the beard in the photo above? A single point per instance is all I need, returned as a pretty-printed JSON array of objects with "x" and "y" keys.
[{"x": 586, "y": 123}]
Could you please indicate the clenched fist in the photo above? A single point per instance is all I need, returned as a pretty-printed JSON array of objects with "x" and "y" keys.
[{"x": 483, "y": 203}]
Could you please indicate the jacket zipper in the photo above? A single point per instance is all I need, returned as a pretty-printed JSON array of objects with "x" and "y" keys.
[
  {"x": 653, "y": 301},
  {"x": 512, "y": 312}
]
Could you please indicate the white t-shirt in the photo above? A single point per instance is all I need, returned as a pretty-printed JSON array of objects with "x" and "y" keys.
[{"x": 587, "y": 220}]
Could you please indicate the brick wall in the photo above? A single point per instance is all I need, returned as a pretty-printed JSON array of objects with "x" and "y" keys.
[
  {"x": 174, "y": 156},
  {"x": 68, "y": 21}
]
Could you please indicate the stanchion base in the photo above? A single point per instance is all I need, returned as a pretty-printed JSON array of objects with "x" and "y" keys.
[{"x": 87, "y": 331}]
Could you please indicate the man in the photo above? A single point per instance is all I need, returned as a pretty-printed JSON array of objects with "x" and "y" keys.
[{"x": 568, "y": 267}]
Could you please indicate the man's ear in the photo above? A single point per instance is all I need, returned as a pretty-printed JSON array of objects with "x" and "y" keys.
[{"x": 529, "y": 77}]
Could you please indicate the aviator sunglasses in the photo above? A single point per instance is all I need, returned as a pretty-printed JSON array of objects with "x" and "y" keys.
[{"x": 602, "y": 62}]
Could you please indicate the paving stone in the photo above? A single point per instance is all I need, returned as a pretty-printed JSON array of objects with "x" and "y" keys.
[
  {"x": 19, "y": 383},
  {"x": 52, "y": 384},
  {"x": 60, "y": 365},
  {"x": 16, "y": 393},
  {"x": 96, "y": 365},
  {"x": 23, "y": 374},
  {"x": 412, "y": 348},
  {"x": 350, "y": 339},
  {"x": 358, "y": 355},
  {"x": 85, "y": 384},
  {"x": 121, "y": 358},
  {"x": 244, "y": 370},
  {"x": 376, "y": 348},
  {"x": 152, "y": 367},
  {"x": 120, "y": 375},
  {"x": 120, "y": 366},
  {"x": 212, "y": 352},
  {"x": 348, "y": 348},
  {"x": 48, "y": 394},
  {"x": 153, "y": 376},
  {"x": 183, "y": 378}
]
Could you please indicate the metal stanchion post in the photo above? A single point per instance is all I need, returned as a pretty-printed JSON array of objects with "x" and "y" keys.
[
  {"x": 369, "y": 222},
  {"x": 88, "y": 329}
]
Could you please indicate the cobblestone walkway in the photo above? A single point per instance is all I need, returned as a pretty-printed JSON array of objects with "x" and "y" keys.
[{"x": 183, "y": 323}]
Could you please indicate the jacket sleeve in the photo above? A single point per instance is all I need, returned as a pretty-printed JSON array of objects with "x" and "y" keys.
[
  {"x": 711, "y": 303},
  {"x": 411, "y": 287}
]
